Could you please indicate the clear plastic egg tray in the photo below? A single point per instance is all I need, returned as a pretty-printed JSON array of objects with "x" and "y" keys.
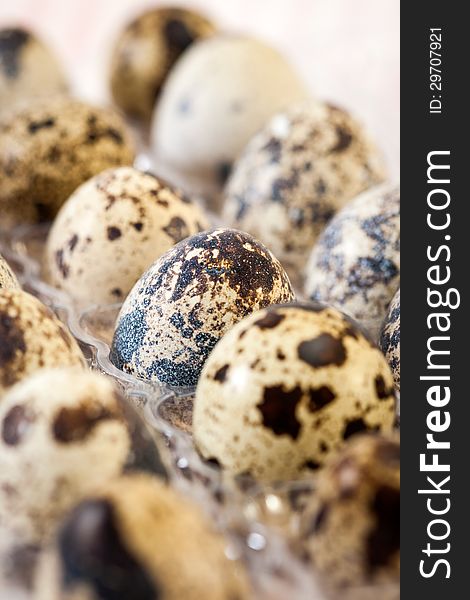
[{"x": 260, "y": 522}]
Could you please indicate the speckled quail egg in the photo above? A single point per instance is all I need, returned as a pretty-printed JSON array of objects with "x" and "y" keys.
[
  {"x": 31, "y": 338},
  {"x": 218, "y": 95},
  {"x": 111, "y": 229},
  {"x": 63, "y": 432},
  {"x": 295, "y": 174},
  {"x": 146, "y": 51},
  {"x": 189, "y": 298},
  {"x": 287, "y": 386},
  {"x": 356, "y": 263},
  {"x": 352, "y": 527},
  {"x": 136, "y": 538},
  {"x": 390, "y": 338},
  {"x": 28, "y": 69},
  {"x": 49, "y": 149},
  {"x": 7, "y": 277}
]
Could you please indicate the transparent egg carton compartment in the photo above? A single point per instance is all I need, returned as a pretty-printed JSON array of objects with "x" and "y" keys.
[{"x": 260, "y": 522}]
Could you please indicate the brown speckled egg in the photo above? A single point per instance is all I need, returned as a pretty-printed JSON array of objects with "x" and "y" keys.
[
  {"x": 189, "y": 298},
  {"x": 221, "y": 91},
  {"x": 139, "y": 539},
  {"x": 28, "y": 69},
  {"x": 355, "y": 265},
  {"x": 7, "y": 277},
  {"x": 31, "y": 338},
  {"x": 49, "y": 149},
  {"x": 390, "y": 338},
  {"x": 146, "y": 51},
  {"x": 351, "y": 529},
  {"x": 111, "y": 229},
  {"x": 286, "y": 387},
  {"x": 63, "y": 432},
  {"x": 295, "y": 174}
]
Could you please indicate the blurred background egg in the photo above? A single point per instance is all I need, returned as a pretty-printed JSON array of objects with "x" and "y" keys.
[
  {"x": 346, "y": 52},
  {"x": 219, "y": 94},
  {"x": 28, "y": 69},
  {"x": 351, "y": 526},
  {"x": 293, "y": 176},
  {"x": 140, "y": 539},
  {"x": 51, "y": 147},
  {"x": 145, "y": 52}
]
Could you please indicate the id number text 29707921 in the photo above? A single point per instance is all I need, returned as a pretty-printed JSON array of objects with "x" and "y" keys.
[{"x": 435, "y": 70}]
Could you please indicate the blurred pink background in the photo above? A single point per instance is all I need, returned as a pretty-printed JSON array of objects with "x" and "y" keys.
[{"x": 347, "y": 51}]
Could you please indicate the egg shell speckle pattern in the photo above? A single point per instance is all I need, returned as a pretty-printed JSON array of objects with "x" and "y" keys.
[
  {"x": 7, "y": 277},
  {"x": 112, "y": 229},
  {"x": 146, "y": 51},
  {"x": 356, "y": 262},
  {"x": 351, "y": 528},
  {"x": 287, "y": 386},
  {"x": 142, "y": 540},
  {"x": 28, "y": 69},
  {"x": 295, "y": 174},
  {"x": 218, "y": 95},
  {"x": 390, "y": 338},
  {"x": 31, "y": 338},
  {"x": 189, "y": 298},
  {"x": 63, "y": 432},
  {"x": 50, "y": 148}
]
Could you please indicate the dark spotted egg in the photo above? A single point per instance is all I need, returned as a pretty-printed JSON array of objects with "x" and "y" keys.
[
  {"x": 111, "y": 229},
  {"x": 31, "y": 338},
  {"x": 351, "y": 527},
  {"x": 295, "y": 174},
  {"x": 50, "y": 147},
  {"x": 189, "y": 298},
  {"x": 390, "y": 338},
  {"x": 355, "y": 265},
  {"x": 7, "y": 277},
  {"x": 286, "y": 387},
  {"x": 63, "y": 432},
  {"x": 137, "y": 538}
]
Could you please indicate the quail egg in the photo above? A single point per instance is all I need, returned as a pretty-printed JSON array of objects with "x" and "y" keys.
[
  {"x": 189, "y": 298},
  {"x": 351, "y": 528},
  {"x": 146, "y": 51},
  {"x": 49, "y": 149},
  {"x": 221, "y": 91},
  {"x": 7, "y": 277},
  {"x": 111, "y": 229},
  {"x": 136, "y": 538},
  {"x": 356, "y": 263},
  {"x": 31, "y": 338},
  {"x": 287, "y": 386},
  {"x": 63, "y": 432},
  {"x": 390, "y": 338},
  {"x": 295, "y": 174},
  {"x": 28, "y": 69}
]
